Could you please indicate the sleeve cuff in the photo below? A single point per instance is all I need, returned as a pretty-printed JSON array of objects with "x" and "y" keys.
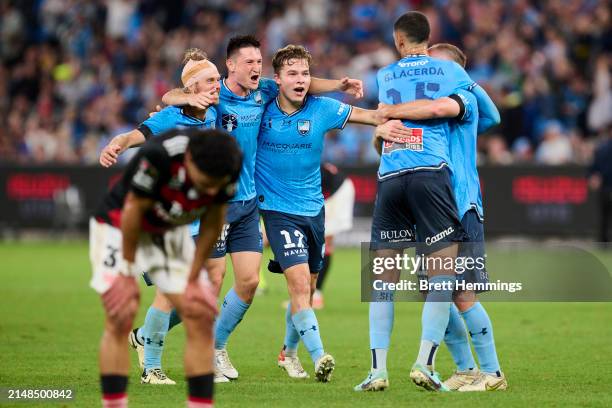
[
  {"x": 348, "y": 116},
  {"x": 145, "y": 130},
  {"x": 459, "y": 101}
]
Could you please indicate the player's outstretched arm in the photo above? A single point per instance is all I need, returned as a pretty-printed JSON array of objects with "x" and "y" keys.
[
  {"x": 201, "y": 100},
  {"x": 347, "y": 85},
  {"x": 365, "y": 117},
  {"x": 118, "y": 145},
  {"x": 488, "y": 115},
  {"x": 422, "y": 109}
]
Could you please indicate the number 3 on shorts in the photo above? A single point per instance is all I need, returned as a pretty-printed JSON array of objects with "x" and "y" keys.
[{"x": 111, "y": 260}]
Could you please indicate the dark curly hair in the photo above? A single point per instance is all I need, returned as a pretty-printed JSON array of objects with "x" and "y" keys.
[{"x": 215, "y": 153}]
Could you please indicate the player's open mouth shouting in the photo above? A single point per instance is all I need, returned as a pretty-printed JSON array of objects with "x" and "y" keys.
[{"x": 300, "y": 91}]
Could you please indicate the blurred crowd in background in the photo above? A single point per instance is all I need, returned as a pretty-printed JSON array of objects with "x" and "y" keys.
[{"x": 75, "y": 73}]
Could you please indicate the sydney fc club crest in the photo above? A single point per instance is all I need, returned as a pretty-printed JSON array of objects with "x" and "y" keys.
[
  {"x": 229, "y": 122},
  {"x": 258, "y": 98},
  {"x": 303, "y": 127}
]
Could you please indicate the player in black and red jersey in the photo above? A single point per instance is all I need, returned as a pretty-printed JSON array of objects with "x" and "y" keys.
[{"x": 143, "y": 225}]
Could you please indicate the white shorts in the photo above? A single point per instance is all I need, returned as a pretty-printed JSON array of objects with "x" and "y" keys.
[
  {"x": 166, "y": 258},
  {"x": 339, "y": 209}
]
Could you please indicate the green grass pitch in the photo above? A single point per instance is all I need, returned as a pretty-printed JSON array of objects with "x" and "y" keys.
[{"x": 554, "y": 354}]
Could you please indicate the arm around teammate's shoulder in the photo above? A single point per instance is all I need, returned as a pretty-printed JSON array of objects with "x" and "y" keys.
[
  {"x": 200, "y": 100},
  {"x": 364, "y": 116},
  {"x": 422, "y": 109}
]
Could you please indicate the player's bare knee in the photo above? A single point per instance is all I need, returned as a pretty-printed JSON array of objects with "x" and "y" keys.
[
  {"x": 216, "y": 284},
  {"x": 464, "y": 300},
  {"x": 199, "y": 325},
  {"x": 161, "y": 302},
  {"x": 119, "y": 328},
  {"x": 216, "y": 272},
  {"x": 247, "y": 286},
  {"x": 299, "y": 288}
]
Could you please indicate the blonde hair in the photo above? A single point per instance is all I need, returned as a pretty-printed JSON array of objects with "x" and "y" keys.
[
  {"x": 194, "y": 54},
  {"x": 452, "y": 51},
  {"x": 195, "y": 61}
]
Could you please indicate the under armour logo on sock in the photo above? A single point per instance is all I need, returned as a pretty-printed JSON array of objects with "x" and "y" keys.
[
  {"x": 149, "y": 341},
  {"x": 313, "y": 328},
  {"x": 483, "y": 332}
]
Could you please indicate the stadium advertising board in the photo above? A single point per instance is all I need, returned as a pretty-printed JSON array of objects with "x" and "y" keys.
[{"x": 518, "y": 200}]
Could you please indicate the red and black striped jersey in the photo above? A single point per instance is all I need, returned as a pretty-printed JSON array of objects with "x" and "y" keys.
[{"x": 158, "y": 172}]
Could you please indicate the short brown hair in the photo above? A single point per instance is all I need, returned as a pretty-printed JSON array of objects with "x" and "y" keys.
[
  {"x": 284, "y": 55},
  {"x": 452, "y": 51}
]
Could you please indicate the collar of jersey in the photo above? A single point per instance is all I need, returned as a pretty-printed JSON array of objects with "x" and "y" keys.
[
  {"x": 415, "y": 56},
  {"x": 290, "y": 114},
  {"x": 247, "y": 96},
  {"x": 193, "y": 117}
]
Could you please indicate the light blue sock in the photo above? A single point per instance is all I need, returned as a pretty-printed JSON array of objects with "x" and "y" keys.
[
  {"x": 232, "y": 312},
  {"x": 307, "y": 326},
  {"x": 481, "y": 331},
  {"x": 140, "y": 334},
  {"x": 174, "y": 319},
  {"x": 436, "y": 310},
  {"x": 434, "y": 319},
  {"x": 292, "y": 337},
  {"x": 456, "y": 339},
  {"x": 154, "y": 333},
  {"x": 381, "y": 325}
]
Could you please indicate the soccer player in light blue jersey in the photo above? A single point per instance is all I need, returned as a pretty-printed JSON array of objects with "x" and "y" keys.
[
  {"x": 199, "y": 77},
  {"x": 478, "y": 113},
  {"x": 415, "y": 199},
  {"x": 243, "y": 99},
  {"x": 288, "y": 181}
]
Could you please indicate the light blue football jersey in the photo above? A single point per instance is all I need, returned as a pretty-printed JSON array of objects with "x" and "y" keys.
[
  {"x": 480, "y": 114},
  {"x": 241, "y": 117},
  {"x": 287, "y": 173},
  {"x": 488, "y": 115},
  {"x": 462, "y": 148},
  {"x": 172, "y": 117},
  {"x": 411, "y": 78}
]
